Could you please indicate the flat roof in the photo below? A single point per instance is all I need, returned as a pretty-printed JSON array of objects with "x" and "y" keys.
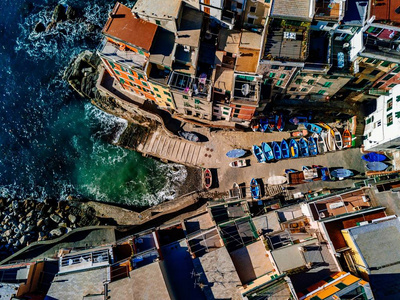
[
  {"x": 228, "y": 40},
  {"x": 298, "y": 10},
  {"x": 223, "y": 78},
  {"x": 247, "y": 60},
  {"x": 158, "y": 8},
  {"x": 124, "y": 26},
  {"x": 250, "y": 40},
  {"x": 190, "y": 27},
  {"x": 386, "y": 10},
  {"x": 163, "y": 48},
  {"x": 356, "y": 12},
  {"x": 146, "y": 282},
  {"x": 112, "y": 52}
]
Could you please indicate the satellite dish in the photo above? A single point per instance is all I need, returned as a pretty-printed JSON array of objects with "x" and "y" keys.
[{"x": 346, "y": 45}]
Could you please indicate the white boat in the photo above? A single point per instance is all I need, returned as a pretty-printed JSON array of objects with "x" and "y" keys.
[
  {"x": 276, "y": 180},
  {"x": 321, "y": 145},
  {"x": 329, "y": 140},
  {"x": 238, "y": 163},
  {"x": 338, "y": 139}
]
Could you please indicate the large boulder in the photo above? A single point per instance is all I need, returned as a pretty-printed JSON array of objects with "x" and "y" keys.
[
  {"x": 55, "y": 218},
  {"x": 56, "y": 232},
  {"x": 59, "y": 13},
  {"x": 70, "y": 13}
]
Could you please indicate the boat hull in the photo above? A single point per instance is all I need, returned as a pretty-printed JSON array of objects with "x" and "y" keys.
[
  {"x": 267, "y": 151},
  {"x": 338, "y": 139},
  {"x": 342, "y": 173},
  {"x": 255, "y": 189},
  {"x": 303, "y": 145},
  {"x": 346, "y": 139},
  {"x": 207, "y": 178},
  {"x": 236, "y": 153},
  {"x": 373, "y": 156},
  {"x": 257, "y": 152},
  {"x": 285, "y": 149},
  {"x": 293, "y": 149},
  {"x": 276, "y": 149},
  {"x": 376, "y": 166}
]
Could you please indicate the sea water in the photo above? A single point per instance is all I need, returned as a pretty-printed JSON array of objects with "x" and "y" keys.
[{"x": 52, "y": 142}]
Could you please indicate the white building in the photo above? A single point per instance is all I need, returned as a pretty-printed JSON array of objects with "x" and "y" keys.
[{"x": 382, "y": 127}]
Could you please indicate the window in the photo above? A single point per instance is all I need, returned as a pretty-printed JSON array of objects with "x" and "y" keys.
[
  {"x": 321, "y": 92},
  {"x": 122, "y": 81},
  {"x": 158, "y": 95},
  {"x": 397, "y": 114},
  {"x": 156, "y": 89},
  {"x": 282, "y": 76},
  {"x": 271, "y": 75},
  {"x": 169, "y": 100},
  {"x": 225, "y": 113},
  {"x": 293, "y": 89},
  {"x": 370, "y": 61},
  {"x": 186, "y": 104},
  {"x": 315, "y": 75},
  {"x": 131, "y": 78},
  {"x": 145, "y": 84},
  {"x": 298, "y": 81},
  {"x": 253, "y": 9},
  {"x": 288, "y": 68},
  {"x": 397, "y": 70},
  {"x": 310, "y": 82},
  {"x": 130, "y": 71},
  {"x": 279, "y": 83},
  {"x": 303, "y": 74},
  {"x": 330, "y": 24},
  {"x": 123, "y": 69},
  {"x": 333, "y": 77},
  {"x": 385, "y": 64},
  {"x": 111, "y": 63},
  {"x": 117, "y": 72},
  {"x": 237, "y": 111},
  {"x": 196, "y": 101},
  {"x": 158, "y": 22},
  {"x": 389, "y": 119},
  {"x": 387, "y": 77},
  {"x": 166, "y": 93},
  {"x": 327, "y": 84},
  {"x": 275, "y": 67},
  {"x": 239, "y": 5},
  {"x": 378, "y": 85},
  {"x": 185, "y": 97},
  {"x": 304, "y": 90},
  {"x": 389, "y": 104},
  {"x": 392, "y": 85},
  {"x": 374, "y": 72},
  {"x": 250, "y": 20}
]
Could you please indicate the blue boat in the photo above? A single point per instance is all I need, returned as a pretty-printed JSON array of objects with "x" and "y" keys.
[
  {"x": 255, "y": 189},
  {"x": 290, "y": 171},
  {"x": 298, "y": 120},
  {"x": 313, "y": 128},
  {"x": 325, "y": 175},
  {"x": 276, "y": 149},
  {"x": 312, "y": 146},
  {"x": 373, "y": 156},
  {"x": 267, "y": 150},
  {"x": 235, "y": 153},
  {"x": 285, "y": 149},
  {"x": 342, "y": 173},
  {"x": 271, "y": 123},
  {"x": 377, "y": 166},
  {"x": 293, "y": 148},
  {"x": 259, "y": 154},
  {"x": 263, "y": 125},
  {"x": 303, "y": 145}
]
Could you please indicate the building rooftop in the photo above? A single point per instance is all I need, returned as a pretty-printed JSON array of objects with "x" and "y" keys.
[
  {"x": 198, "y": 223},
  {"x": 295, "y": 10},
  {"x": 223, "y": 78},
  {"x": 163, "y": 48},
  {"x": 84, "y": 260},
  {"x": 247, "y": 60},
  {"x": 158, "y": 8},
  {"x": 329, "y": 10},
  {"x": 278, "y": 288},
  {"x": 123, "y": 26},
  {"x": 204, "y": 242},
  {"x": 190, "y": 27},
  {"x": 112, "y": 52},
  {"x": 386, "y": 10},
  {"x": 319, "y": 47},
  {"x": 246, "y": 89},
  {"x": 147, "y": 282},
  {"x": 218, "y": 274},
  {"x": 228, "y": 40},
  {"x": 250, "y": 40},
  {"x": 356, "y": 12}
]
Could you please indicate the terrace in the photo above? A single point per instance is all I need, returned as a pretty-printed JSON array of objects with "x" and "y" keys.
[
  {"x": 226, "y": 212},
  {"x": 85, "y": 260},
  {"x": 246, "y": 89},
  {"x": 238, "y": 233},
  {"x": 223, "y": 84},
  {"x": 329, "y": 10},
  {"x": 193, "y": 86},
  {"x": 287, "y": 40}
]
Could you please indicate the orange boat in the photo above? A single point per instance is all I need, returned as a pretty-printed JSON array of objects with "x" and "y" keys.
[
  {"x": 207, "y": 178},
  {"x": 299, "y": 134},
  {"x": 346, "y": 139}
]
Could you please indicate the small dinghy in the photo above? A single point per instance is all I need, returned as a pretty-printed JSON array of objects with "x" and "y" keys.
[
  {"x": 342, "y": 173},
  {"x": 313, "y": 128},
  {"x": 373, "y": 156},
  {"x": 312, "y": 146},
  {"x": 190, "y": 136},
  {"x": 321, "y": 145},
  {"x": 300, "y": 133},
  {"x": 325, "y": 174},
  {"x": 276, "y": 180},
  {"x": 346, "y": 139},
  {"x": 255, "y": 126},
  {"x": 276, "y": 149},
  {"x": 267, "y": 150},
  {"x": 338, "y": 139},
  {"x": 329, "y": 140},
  {"x": 376, "y": 166},
  {"x": 238, "y": 163},
  {"x": 263, "y": 125},
  {"x": 207, "y": 178},
  {"x": 280, "y": 124},
  {"x": 255, "y": 189},
  {"x": 259, "y": 154},
  {"x": 298, "y": 120},
  {"x": 271, "y": 123},
  {"x": 293, "y": 148},
  {"x": 303, "y": 145},
  {"x": 285, "y": 149},
  {"x": 235, "y": 153}
]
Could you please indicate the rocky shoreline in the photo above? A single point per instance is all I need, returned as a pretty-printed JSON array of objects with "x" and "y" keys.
[{"x": 27, "y": 221}]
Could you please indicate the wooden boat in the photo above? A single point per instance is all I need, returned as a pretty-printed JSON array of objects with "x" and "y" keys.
[
  {"x": 313, "y": 128},
  {"x": 342, "y": 173},
  {"x": 321, "y": 145},
  {"x": 300, "y": 133},
  {"x": 280, "y": 124},
  {"x": 271, "y": 123},
  {"x": 329, "y": 140},
  {"x": 346, "y": 139},
  {"x": 259, "y": 154},
  {"x": 303, "y": 145},
  {"x": 238, "y": 163},
  {"x": 207, "y": 178},
  {"x": 255, "y": 127},
  {"x": 298, "y": 120},
  {"x": 373, "y": 156},
  {"x": 263, "y": 125},
  {"x": 338, "y": 139},
  {"x": 293, "y": 148},
  {"x": 276, "y": 149},
  {"x": 235, "y": 153},
  {"x": 267, "y": 150},
  {"x": 276, "y": 180},
  {"x": 312, "y": 146},
  {"x": 376, "y": 166},
  {"x": 326, "y": 127},
  {"x": 325, "y": 174},
  {"x": 285, "y": 149},
  {"x": 190, "y": 136},
  {"x": 255, "y": 189}
]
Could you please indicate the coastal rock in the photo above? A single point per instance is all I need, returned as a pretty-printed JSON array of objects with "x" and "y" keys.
[
  {"x": 7, "y": 233},
  {"x": 70, "y": 13},
  {"x": 39, "y": 223},
  {"x": 56, "y": 232},
  {"x": 39, "y": 27},
  {"x": 72, "y": 218},
  {"x": 15, "y": 204},
  {"x": 59, "y": 13},
  {"x": 55, "y": 218},
  {"x": 23, "y": 240}
]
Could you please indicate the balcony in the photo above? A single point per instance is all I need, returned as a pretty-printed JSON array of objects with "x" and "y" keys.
[{"x": 193, "y": 86}]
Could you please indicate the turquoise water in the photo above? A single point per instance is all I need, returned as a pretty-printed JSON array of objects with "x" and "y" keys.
[{"x": 52, "y": 142}]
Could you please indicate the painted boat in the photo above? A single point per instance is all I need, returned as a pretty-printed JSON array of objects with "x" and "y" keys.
[
  {"x": 346, "y": 139},
  {"x": 277, "y": 151},
  {"x": 267, "y": 150},
  {"x": 342, "y": 173},
  {"x": 259, "y": 154},
  {"x": 313, "y": 128},
  {"x": 263, "y": 125},
  {"x": 256, "y": 126},
  {"x": 271, "y": 123},
  {"x": 338, "y": 139},
  {"x": 321, "y": 145},
  {"x": 303, "y": 145},
  {"x": 376, "y": 166},
  {"x": 235, "y": 153},
  {"x": 329, "y": 140},
  {"x": 300, "y": 133},
  {"x": 255, "y": 189},
  {"x": 298, "y": 120},
  {"x": 326, "y": 127},
  {"x": 238, "y": 163},
  {"x": 285, "y": 149},
  {"x": 207, "y": 178},
  {"x": 312, "y": 146},
  {"x": 190, "y": 136},
  {"x": 373, "y": 156},
  {"x": 290, "y": 171},
  {"x": 280, "y": 123},
  {"x": 276, "y": 180},
  {"x": 325, "y": 174},
  {"x": 293, "y": 148}
]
